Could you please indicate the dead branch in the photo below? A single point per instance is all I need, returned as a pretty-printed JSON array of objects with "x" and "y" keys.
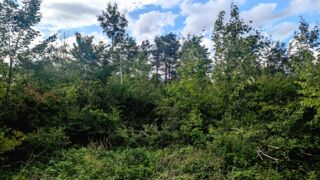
[
  {"x": 266, "y": 155},
  {"x": 259, "y": 155},
  {"x": 236, "y": 129},
  {"x": 274, "y": 147}
]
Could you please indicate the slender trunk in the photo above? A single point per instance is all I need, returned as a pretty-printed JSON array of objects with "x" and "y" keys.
[
  {"x": 170, "y": 72},
  {"x": 165, "y": 74},
  {"x": 9, "y": 80},
  {"x": 157, "y": 72},
  {"x": 121, "y": 70},
  {"x": 12, "y": 54},
  {"x": 165, "y": 69}
]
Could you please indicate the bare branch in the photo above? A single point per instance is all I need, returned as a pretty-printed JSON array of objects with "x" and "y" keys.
[
  {"x": 264, "y": 154},
  {"x": 259, "y": 155},
  {"x": 236, "y": 129},
  {"x": 274, "y": 147}
]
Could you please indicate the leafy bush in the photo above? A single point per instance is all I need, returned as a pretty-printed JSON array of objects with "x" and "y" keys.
[
  {"x": 9, "y": 140},
  {"x": 192, "y": 128},
  {"x": 94, "y": 124},
  {"x": 49, "y": 139}
]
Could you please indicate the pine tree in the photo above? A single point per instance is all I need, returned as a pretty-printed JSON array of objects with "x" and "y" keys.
[
  {"x": 165, "y": 53},
  {"x": 141, "y": 66}
]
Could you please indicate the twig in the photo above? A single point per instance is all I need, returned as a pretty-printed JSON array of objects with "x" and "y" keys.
[
  {"x": 308, "y": 154},
  {"x": 6, "y": 166},
  {"x": 236, "y": 129},
  {"x": 275, "y": 159},
  {"x": 274, "y": 147},
  {"x": 259, "y": 155},
  {"x": 35, "y": 157}
]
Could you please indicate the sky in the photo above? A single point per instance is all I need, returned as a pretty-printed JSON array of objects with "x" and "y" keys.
[{"x": 149, "y": 18}]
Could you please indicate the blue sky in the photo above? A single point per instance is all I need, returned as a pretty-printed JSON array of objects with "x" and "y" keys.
[{"x": 148, "y": 18}]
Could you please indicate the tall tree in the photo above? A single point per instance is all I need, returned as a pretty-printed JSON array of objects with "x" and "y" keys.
[
  {"x": 123, "y": 55},
  {"x": 88, "y": 54},
  {"x": 305, "y": 41},
  {"x": 17, "y": 30},
  {"x": 141, "y": 66},
  {"x": 194, "y": 58},
  {"x": 166, "y": 50},
  {"x": 114, "y": 25},
  {"x": 276, "y": 59},
  {"x": 130, "y": 52},
  {"x": 237, "y": 46}
]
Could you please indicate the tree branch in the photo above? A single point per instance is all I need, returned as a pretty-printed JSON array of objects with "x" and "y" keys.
[{"x": 264, "y": 154}]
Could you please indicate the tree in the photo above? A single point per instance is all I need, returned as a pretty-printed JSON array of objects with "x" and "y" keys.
[
  {"x": 122, "y": 56},
  {"x": 113, "y": 23},
  {"x": 165, "y": 53},
  {"x": 276, "y": 59},
  {"x": 89, "y": 55},
  {"x": 194, "y": 59},
  {"x": 188, "y": 98},
  {"x": 45, "y": 48},
  {"x": 309, "y": 82},
  {"x": 302, "y": 46},
  {"x": 17, "y": 31},
  {"x": 237, "y": 46},
  {"x": 130, "y": 52},
  {"x": 141, "y": 66}
]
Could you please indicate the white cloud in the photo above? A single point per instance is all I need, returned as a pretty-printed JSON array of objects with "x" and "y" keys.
[
  {"x": 200, "y": 16},
  {"x": 70, "y": 39},
  {"x": 77, "y": 14},
  {"x": 261, "y": 14},
  {"x": 166, "y": 4},
  {"x": 208, "y": 43},
  {"x": 265, "y": 13},
  {"x": 62, "y": 14},
  {"x": 297, "y": 7},
  {"x": 283, "y": 30},
  {"x": 151, "y": 24},
  {"x": 130, "y": 5}
]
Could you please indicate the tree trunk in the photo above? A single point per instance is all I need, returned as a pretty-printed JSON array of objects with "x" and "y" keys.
[
  {"x": 9, "y": 80},
  {"x": 121, "y": 70}
]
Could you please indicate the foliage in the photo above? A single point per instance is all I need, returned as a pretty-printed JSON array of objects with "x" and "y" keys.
[
  {"x": 47, "y": 139},
  {"x": 11, "y": 142},
  {"x": 173, "y": 163},
  {"x": 95, "y": 123}
]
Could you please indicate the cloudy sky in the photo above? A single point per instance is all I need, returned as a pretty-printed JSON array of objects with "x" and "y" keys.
[{"x": 148, "y": 18}]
